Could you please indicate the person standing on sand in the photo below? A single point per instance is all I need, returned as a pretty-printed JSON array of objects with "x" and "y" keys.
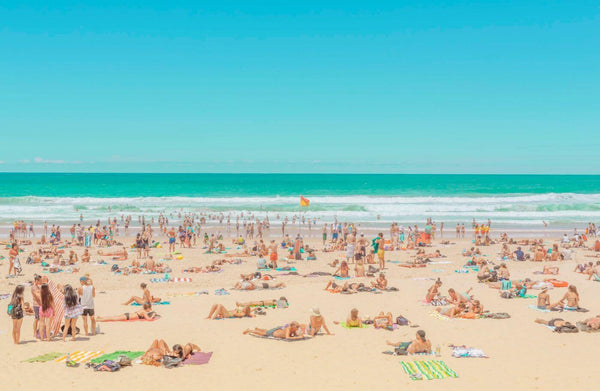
[
  {"x": 381, "y": 250},
  {"x": 273, "y": 256},
  {"x": 350, "y": 246},
  {"x": 87, "y": 292}
]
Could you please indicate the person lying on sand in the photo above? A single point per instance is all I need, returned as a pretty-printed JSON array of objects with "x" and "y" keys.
[
  {"x": 474, "y": 308},
  {"x": 317, "y": 321},
  {"x": 145, "y": 313},
  {"x": 452, "y": 312},
  {"x": 593, "y": 323},
  {"x": 380, "y": 283},
  {"x": 120, "y": 255},
  {"x": 281, "y": 303},
  {"x": 218, "y": 311},
  {"x": 291, "y": 331},
  {"x": 455, "y": 298},
  {"x": 159, "y": 348},
  {"x": 146, "y": 297},
  {"x": 418, "y": 345},
  {"x": 257, "y": 285},
  {"x": 556, "y": 322}
]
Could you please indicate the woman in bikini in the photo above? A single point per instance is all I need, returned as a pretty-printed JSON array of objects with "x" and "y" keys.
[
  {"x": 433, "y": 291},
  {"x": 316, "y": 322},
  {"x": 571, "y": 298},
  {"x": 218, "y": 311},
  {"x": 145, "y": 313},
  {"x": 159, "y": 348},
  {"x": 452, "y": 312}
]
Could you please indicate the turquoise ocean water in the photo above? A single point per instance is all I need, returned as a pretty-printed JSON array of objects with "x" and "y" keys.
[{"x": 518, "y": 201}]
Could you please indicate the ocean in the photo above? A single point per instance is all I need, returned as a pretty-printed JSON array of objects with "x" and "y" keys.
[{"x": 512, "y": 202}]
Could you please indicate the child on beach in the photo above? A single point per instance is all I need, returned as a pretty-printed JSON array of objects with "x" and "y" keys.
[
  {"x": 15, "y": 310},
  {"x": 46, "y": 311},
  {"x": 72, "y": 312}
]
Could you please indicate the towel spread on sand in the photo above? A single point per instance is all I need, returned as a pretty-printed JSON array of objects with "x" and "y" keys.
[
  {"x": 114, "y": 356},
  {"x": 45, "y": 357},
  {"x": 461, "y": 351},
  {"x": 81, "y": 356},
  {"x": 362, "y": 326},
  {"x": 198, "y": 358},
  {"x": 157, "y": 303},
  {"x": 430, "y": 370}
]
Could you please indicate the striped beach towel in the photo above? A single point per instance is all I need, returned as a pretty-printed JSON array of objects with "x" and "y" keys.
[
  {"x": 180, "y": 279},
  {"x": 81, "y": 356},
  {"x": 59, "y": 308},
  {"x": 430, "y": 370}
]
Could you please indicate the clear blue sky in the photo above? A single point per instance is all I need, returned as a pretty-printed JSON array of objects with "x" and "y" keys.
[{"x": 272, "y": 86}]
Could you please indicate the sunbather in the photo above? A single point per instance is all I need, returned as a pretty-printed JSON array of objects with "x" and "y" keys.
[
  {"x": 593, "y": 323},
  {"x": 159, "y": 348},
  {"x": 380, "y": 283},
  {"x": 146, "y": 297},
  {"x": 281, "y": 303},
  {"x": 316, "y": 322},
  {"x": 556, "y": 322},
  {"x": 452, "y": 312},
  {"x": 571, "y": 298},
  {"x": 418, "y": 345},
  {"x": 145, "y": 313},
  {"x": 218, "y": 311},
  {"x": 291, "y": 331},
  {"x": 383, "y": 321}
]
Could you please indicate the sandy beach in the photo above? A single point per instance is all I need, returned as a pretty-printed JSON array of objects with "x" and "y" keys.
[{"x": 522, "y": 354}]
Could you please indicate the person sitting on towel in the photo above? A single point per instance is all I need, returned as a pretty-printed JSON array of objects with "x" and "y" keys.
[{"x": 419, "y": 345}]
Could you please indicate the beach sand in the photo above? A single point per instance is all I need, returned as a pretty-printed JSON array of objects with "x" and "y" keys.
[{"x": 523, "y": 355}]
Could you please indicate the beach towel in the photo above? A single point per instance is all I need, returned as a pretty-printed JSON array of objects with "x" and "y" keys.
[
  {"x": 133, "y": 318},
  {"x": 362, "y": 326},
  {"x": 80, "y": 356},
  {"x": 341, "y": 278},
  {"x": 157, "y": 280},
  {"x": 280, "y": 339},
  {"x": 412, "y": 265},
  {"x": 45, "y": 357},
  {"x": 59, "y": 308},
  {"x": 114, "y": 356},
  {"x": 221, "y": 292},
  {"x": 187, "y": 294},
  {"x": 462, "y": 351},
  {"x": 430, "y": 370},
  {"x": 158, "y": 303},
  {"x": 286, "y": 269},
  {"x": 198, "y": 358},
  {"x": 535, "y": 307},
  {"x": 180, "y": 279},
  {"x": 5, "y": 296}
]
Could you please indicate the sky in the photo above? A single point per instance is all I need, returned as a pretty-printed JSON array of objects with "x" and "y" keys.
[{"x": 310, "y": 86}]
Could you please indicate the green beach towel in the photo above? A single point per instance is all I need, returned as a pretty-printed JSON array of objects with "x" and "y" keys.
[
  {"x": 430, "y": 370},
  {"x": 344, "y": 325},
  {"x": 114, "y": 356},
  {"x": 45, "y": 357}
]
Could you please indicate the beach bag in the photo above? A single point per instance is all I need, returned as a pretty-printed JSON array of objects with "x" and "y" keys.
[
  {"x": 171, "y": 361},
  {"x": 401, "y": 321},
  {"x": 124, "y": 361},
  {"x": 107, "y": 366}
]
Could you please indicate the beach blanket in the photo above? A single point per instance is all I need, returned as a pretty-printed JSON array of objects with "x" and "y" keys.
[
  {"x": 535, "y": 307},
  {"x": 158, "y": 303},
  {"x": 45, "y": 357},
  {"x": 187, "y": 294},
  {"x": 280, "y": 339},
  {"x": 412, "y": 265},
  {"x": 5, "y": 296},
  {"x": 462, "y": 351},
  {"x": 221, "y": 292},
  {"x": 173, "y": 279},
  {"x": 362, "y": 326},
  {"x": 430, "y": 370},
  {"x": 198, "y": 358},
  {"x": 81, "y": 356},
  {"x": 286, "y": 269},
  {"x": 114, "y": 356},
  {"x": 574, "y": 309},
  {"x": 341, "y": 278}
]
